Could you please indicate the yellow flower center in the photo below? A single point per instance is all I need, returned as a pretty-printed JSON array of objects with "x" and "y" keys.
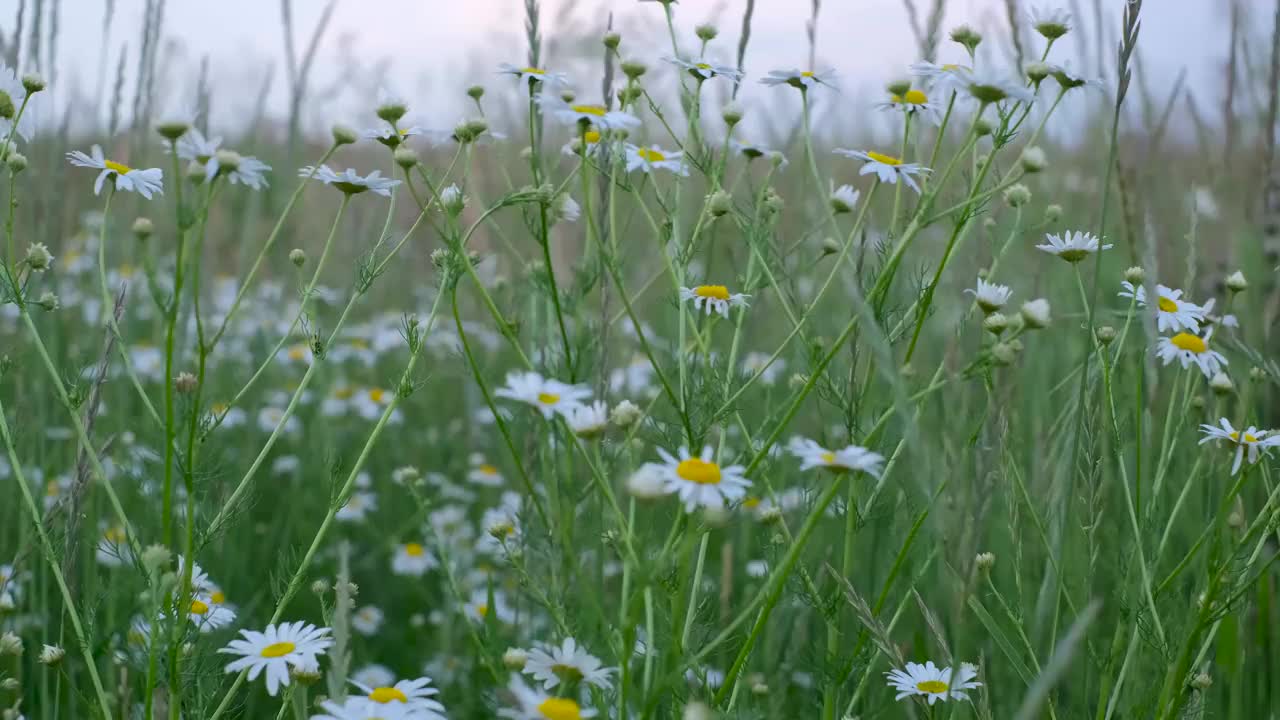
[
  {"x": 916, "y": 97},
  {"x": 218, "y": 597},
  {"x": 807, "y": 73},
  {"x": 487, "y": 470},
  {"x": 51, "y": 488},
  {"x": 385, "y": 695},
  {"x": 548, "y": 398},
  {"x": 568, "y": 672},
  {"x": 376, "y": 395},
  {"x": 198, "y": 607},
  {"x": 650, "y": 155},
  {"x": 533, "y": 71},
  {"x": 828, "y": 457},
  {"x": 596, "y": 110},
  {"x": 592, "y": 137},
  {"x": 297, "y": 352},
  {"x": 751, "y": 503},
  {"x": 883, "y": 159},
  {"x": 1167, "y": 305},
  {"x": 343, "y": 393},
  {"x": 413, "y": 550},
  {"x": 932, "y": 686},
  {"x": 114, "y": 535},
  {"x": 696, "y": 470},
  {"x": 1247, "y": 437},
  {"x": 280, "y": 649},
  {"x": 219, "y": 408},
  {"x": 482, "y": 610},
  {"x": 560, "y": 709},
  {"x": 1189, "y": 342},
  {"x": 118, "y": 168},
  {"x": 718, "y": 292},
  {"x": 951, "y": 67},
  {"x": 703, "y": 66}
]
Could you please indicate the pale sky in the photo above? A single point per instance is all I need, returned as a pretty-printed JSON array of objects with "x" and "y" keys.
[{"x": 430, "y": 50}]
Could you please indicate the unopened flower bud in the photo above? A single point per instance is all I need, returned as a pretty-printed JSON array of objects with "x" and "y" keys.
[
  {"x": 983, "y": 127},
  {"x": 39, "y": 257},
  {"x": 1035, "y": 313},
  {"x": 1221, "y": 384},
  {"x": 985, "y": 561},
  {"x": 995, "y": 323},
  {"x": 633, "y": 68},
  {"x": 898, "y": 87},
  {"x": 51, "y": 655},
  {"x": 391, "y": 110},
  {"x": 1038, "y": 71},
  {"x": 1017, "y": 195},
  {"x": 320, "y": 587},
  {"x": 406, "y": 157},
  {"x": 844, "y": 199},
  {"x": 10, "y": 685},
  {"x": 696, "y": 711},
  {"x": 1135, "y": 275},
  {"x": 1105, "y": 334},
  {"x": 1034, "y": 160},
  {"x": 475, "y": 92},
  {"x": 185, "y": 383},
  {"x": 719, "y": 203},
  {"x": 17, "y": 162},
  {"x": 646, "y": 483},
  {"x": 171, "y": 130},
  {"x": 10, "y": 644},
  {"x": 612, "y": 40},
  {"x": 966, "y": 36},
  {"x": 1053, "y": 213},
  {"x": 1236, "y": 282},
  {"x": 155, "y": 558},
  {"x": 49, "y": 301},
  {"x": 1004, "y": 353},
  {"x": 1202, "y": 682},
  {"x": 343, "y": 135},
  {"x": 731, "y": 113},
  {"x": 514, "y": 659},
  {"x": 307, "y": 673},
  {"x": 228, "y": 160},
  {"x": 452, "y": 200},
  {"x": 33, "y": 82},
  {"x": 298, "y": 257},
  {"x": 830, "y": 246},
  {"x": 706, "y": 32},
  {"x": 143, "y": 227},
  {"x": 625, "y": 414}
]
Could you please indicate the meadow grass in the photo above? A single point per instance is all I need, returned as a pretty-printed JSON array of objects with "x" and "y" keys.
[{"x": 602, "y": 410}]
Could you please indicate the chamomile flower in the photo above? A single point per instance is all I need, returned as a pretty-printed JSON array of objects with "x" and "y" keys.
[
  {"x": 550, "y": 397},
  {"x": 587, "y": 143},
  {"x": 844, "y": 199},
  {"x": 359, "y": 708},
  {"x": 702, "y": 70},
  {"x": 1072, "y": 246},
  {"x": 1050, "y": 22},
  {"x": 208, "y": 615},
  {"x": 276, "y": 649},
  {"x": 531, "y": 704},
  {"x": 359, "y": 505},
  {"x": 990, "y": 296},
  {"x": 533, "y": 75},
  {"x": 912, "y": 102},
  {"x": 1250, "y": 439},
  {"x": 713, "y": 298},
  {"x": 652, "y": 158},
  {"x": 390, "y": 135},
  {"x": 988, "y": 86},
  {"x": 589, "y": 419},
  {"x": 932, "y": 682},
  {"x": 478, "y": 607},
  {"x": 367, "y": 620},
  {"x": 942, "y": 79},
  {"x": 143, "y": 182},
  {"x": 416, "y": 695},
  {"x": 753, "y": 151},
  {"x": 195, "y": 146},
  {"x": 886, "y": 167},
  {"x": 350, "y": 182},
  {"x": 250, "y": 172},
  {"x": 851, "y": 458},
  {"x": 1069, "y": 79},
  {"x": 566, "y": 662},
  {"x": 412, "y": 559},
  {"x": 1173, "y": 313},
  {"x": 1187, "y": 349},
  {"x": 801, "y": 79},
  {"x": 700, "y": 481},
  {"x": 482, "y": 473},
  {"x": 597, "y": 116}
]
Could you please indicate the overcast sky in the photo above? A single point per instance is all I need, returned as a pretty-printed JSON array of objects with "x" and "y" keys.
[{"x": 430, "y": 50}]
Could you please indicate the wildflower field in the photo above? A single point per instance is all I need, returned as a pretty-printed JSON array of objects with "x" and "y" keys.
[{"x": 609, "y": 402}]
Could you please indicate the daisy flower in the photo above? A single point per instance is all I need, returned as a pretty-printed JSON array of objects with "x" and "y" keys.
[
  {"x": 704, "y": 70},
  {"x": 987, "y": 86},
  {"x": 12, "y": 95},
  {"x": 844, "y": 199},
  {"x": 653, "y": 157},
  {"x": 911, "y": 103},
  {"x": 588, "y": 420},
  {"x": 482, "y": 473},
  {"x": 1251, "y": 438},
  {"x": 1187, "y": 348},
  {"x": 944, "y": 79},
  {"x": 390, "y": 135},
  {"x": 700, "y": 481},
  {"x": 531, "y": 704},
  {"x": 851, "y": 458},
  {"x": 276, "y": 649},
  {"x": 194, "y": 146},
  {"x": 753, "y": 151},
  {"x": 801, "y": 79},
  {"x": 1173, "y": 313},
  {"x": 358, "y": 708},
  {"x": 1052, "y": 23},
  {"x": 1068, "y": 79},
  {"x": 567, "y": 662},
  {"x": 932, "y": 682},
  {"x": 713, "y": 298},
  {"x": 550, "y": 397},
  {"x": 597, "y": 116},
  {"x": 533, "y": 75},
  {"x": 412, "y": 559},
  {"x": 576, "y": 146},
  {"x": 143, "y": 182},
  {"x": 886, "y": 167},
  {"x": 349, "y": 182},
  {"x": 208, "y": 615},
  {"x": 1072, "y": 246},
  {"x": 478, "y": 608},
  {"x": 357, "y": 506},
  {"x": 367, "y": 620},
  {"x": 990, "y": 297},
  {"x": 416, "y": 696}
]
